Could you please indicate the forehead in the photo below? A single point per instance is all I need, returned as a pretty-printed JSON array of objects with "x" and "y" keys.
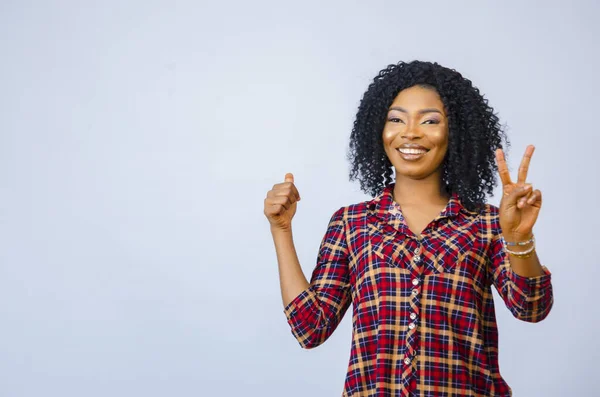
[{"x": 416, "y": 97}]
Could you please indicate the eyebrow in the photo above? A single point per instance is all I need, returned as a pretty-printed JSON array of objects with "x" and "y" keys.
[{"x": 422, "y": 111}]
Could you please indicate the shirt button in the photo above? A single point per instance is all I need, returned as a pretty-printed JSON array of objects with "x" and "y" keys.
[
  {"x": 413, "y": 316},
  {"x": 415, "y": 291},
  {"x": 407, "y": 361},
  {"x": 411, "y": 326},
  {"x": 417, "y": 258},
  {"x": 415, "y": 281}
]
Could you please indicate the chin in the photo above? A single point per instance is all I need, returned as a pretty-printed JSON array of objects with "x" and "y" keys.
[{"x": 413, "y": 172}]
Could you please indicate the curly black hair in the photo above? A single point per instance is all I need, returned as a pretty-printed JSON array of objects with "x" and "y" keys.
[{"x": 469, "y": 168}]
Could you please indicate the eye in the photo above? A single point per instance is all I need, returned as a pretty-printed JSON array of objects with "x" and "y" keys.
[
  {"x": 433, "y": 121},
  {"x": 395, "y": 120}
]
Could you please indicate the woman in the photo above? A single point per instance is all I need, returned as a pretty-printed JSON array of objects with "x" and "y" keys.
[{"x": 417, "y": 262}]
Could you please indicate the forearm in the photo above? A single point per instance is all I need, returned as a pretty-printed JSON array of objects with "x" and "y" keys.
[
  {"x": 526, "y": 288},
  {"x": 524, "y": 267},
  {"x": 291, "y": 278}
]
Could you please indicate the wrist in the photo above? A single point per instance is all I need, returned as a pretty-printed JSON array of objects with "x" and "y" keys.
[
  {"x": 517, "y": 239},
  {"x": 279, "y": 230},
  {"x": 520, "y": 250},
  {"x": 520, "y": 246}
]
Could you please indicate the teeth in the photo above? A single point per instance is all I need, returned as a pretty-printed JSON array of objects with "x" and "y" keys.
[{"x": 411, "y": 151}]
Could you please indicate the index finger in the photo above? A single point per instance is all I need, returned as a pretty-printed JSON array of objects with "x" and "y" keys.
[
  {"x": 524, "y": 167},
  {"x": 502, "y": 168}
]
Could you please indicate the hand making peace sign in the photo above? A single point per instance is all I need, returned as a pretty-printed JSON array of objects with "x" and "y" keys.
[{"x": 520, "y": 204}]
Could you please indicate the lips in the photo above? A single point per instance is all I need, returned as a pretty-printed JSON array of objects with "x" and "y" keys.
[{"x": 412, "y": 152}]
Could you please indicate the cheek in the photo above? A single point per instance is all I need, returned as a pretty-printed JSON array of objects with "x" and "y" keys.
[
  {"x": 388, "y": 135},
  {"x": 440, "y": 138}
]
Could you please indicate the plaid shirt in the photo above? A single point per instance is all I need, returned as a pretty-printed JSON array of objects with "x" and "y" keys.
[{"x": 423, "y": 320}]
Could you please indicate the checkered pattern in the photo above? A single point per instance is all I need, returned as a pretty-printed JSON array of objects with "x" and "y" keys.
[{"x": 423, "y": 313}]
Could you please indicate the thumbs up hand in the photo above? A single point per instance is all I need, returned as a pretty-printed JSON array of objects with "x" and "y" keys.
[{"x": 281, "y": 202}]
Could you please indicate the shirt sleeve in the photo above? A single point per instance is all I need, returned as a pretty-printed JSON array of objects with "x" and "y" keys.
[
  {"x": 528, "y": 298},
  {"x": 316, "y": 312}
]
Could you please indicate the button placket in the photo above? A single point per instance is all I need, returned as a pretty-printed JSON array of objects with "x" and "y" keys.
[
  {"x": 417, "y": 258},
  {"x": 412, "y": 338}
]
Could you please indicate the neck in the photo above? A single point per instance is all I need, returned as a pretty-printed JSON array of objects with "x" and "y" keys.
[{"x": 409, "y": 191}]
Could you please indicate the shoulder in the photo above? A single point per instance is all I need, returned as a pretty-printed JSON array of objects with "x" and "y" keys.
[
  {"x": 490, "y": 218},
  {"x": 352, "y": 212},
  {"x": 490, "y": 210}
]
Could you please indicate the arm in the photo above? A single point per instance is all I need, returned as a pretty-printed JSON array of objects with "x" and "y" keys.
[
  {"x": 520, "y": 279},
  {"x": 314, "y": 310},
  {"x": 291, "y": 278},
  {"x": 524, "y": 285}
]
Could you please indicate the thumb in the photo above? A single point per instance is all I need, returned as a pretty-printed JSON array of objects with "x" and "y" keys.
[
  {"x": 519, "y": 192},
  {"x": 289, "y": 177}
]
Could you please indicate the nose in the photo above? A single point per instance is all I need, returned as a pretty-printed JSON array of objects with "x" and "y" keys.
[{"x": 411, "y": 133}]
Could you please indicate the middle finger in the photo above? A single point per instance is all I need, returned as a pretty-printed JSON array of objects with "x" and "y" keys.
[{"x": 524, "y": 167}]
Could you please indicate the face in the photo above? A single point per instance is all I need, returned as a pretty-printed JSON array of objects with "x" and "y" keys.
[{"x": 415, "y": 135}]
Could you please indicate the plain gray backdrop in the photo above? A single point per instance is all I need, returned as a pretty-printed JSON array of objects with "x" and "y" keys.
[{"x": 138, "y": 140}]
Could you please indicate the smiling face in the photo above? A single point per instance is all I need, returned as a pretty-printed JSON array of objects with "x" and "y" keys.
[{"x": 415, "y": 135}]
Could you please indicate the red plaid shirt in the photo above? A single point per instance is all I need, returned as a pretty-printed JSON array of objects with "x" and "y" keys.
[{"x": 423, "y": 320}]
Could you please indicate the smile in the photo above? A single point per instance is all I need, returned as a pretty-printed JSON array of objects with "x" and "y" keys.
[{"x": 410, "y": 154}]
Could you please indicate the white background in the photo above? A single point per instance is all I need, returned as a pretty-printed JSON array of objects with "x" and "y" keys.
[{"x": 138, "y": 140}]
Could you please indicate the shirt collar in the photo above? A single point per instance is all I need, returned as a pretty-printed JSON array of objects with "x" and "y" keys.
[{"x": 384, "y": 202}]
